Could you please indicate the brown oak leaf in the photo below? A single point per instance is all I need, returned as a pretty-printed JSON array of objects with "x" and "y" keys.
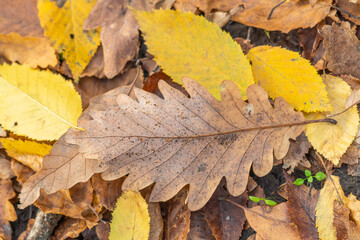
[{"x": 173, "y": 141}]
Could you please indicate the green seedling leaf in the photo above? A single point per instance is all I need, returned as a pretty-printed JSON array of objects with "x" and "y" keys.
[
  {"x": 320, "y": 176},
  {"x": 299, "y": 181},
  {"x": 307, "y": 173},
  {"x": 270, "y": 202},
  {"x": 310, "y": 179},
  {"x": 254, "y": 199}
]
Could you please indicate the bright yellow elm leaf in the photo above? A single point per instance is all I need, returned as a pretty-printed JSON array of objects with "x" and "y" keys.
[
  {"x": 31, "y": 51},
  {"x": 29, "y": 153},
  {"x": 283, "y": 73},
  {"x": 332, "y": 140},
  {"x": 37, "y": 104},
  {"x": 130, "y": 219},
  {"x": 188, "y": 45},
  {"x": 64, "y": 27}
]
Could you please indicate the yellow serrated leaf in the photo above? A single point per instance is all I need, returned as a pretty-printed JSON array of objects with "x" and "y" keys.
[
  {"x": 31, "y": 51},
  {"x": 188, "y": 45},
  {"x": 37, "y": 104},
  {"x": 131, "y": 218},
  {"x": 332, "y": 140},
  {"x": 29, "y": 153},
  {"x": 283, "y": 73},
  {"x": 64, "y": 27},
  {"x": 325, "y": 208}
]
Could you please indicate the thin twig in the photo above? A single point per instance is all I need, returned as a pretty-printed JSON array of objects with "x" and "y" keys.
[{"x": 272, "y": 10}]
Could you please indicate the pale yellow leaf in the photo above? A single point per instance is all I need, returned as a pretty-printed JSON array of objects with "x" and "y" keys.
[
  {"x": 130, "y": 219},
  {"x": 188, "y": 45},
  {"x": 64, "y": 27},
  {"x": 29, "y": 153},
  {"x": 332, "y": 140},
  {"x": 354, "y": 98},
  {"x": 37, "y": 104},
  {"x": 283, "y": 73}
]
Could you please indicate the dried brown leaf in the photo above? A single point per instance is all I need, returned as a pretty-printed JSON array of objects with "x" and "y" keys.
[
  {"x": 350, "y": 7},
  {"x": 225, "y": 220},
  {"x": 301, "y": 208},
  {"x": 173, "y": 141},
  {"x": 7, "y": 211},
  {"x": 21, "y": 171},
  {"x": 345, "y": 228},
  {"x": 69, "y": 228},
  {"x": 342, "y": 49},
  {"x": 199, "y": 228},
  {"x": 103, "y": 230},
  {"x": 5, "y": 168},
  {"x": 177, "y": 224}
]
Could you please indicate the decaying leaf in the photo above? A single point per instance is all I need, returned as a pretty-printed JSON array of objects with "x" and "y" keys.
[
  {"x": 350, "y": 7},
  {"x": 173, "y": 141},
  {"x": 5, "y": 168},
  {"x": 69, "y": 228},
  {"x": 283, "y": 73},
  {"x": 289, "y": 15},
  {"x": 225, "y": 220},
  {"x": 29, "y": 153},
  {"x": 177, "y": 223},
  {"x": 209, "y": 60},
  {"x": 342, "y": 49},
  {"x": 31, "y": 51},
  {"x": 20, "y": 17},
  {"x": 199, "y": 228},
  {"x": 47, "y": 104},
  {"x": 332, "y": 140},
  {"x": 64, "y": 27},
  {"x": 331, "y": 196},
  {"x": 130, "y": 218},
  {"x": 7, "y": 211}
]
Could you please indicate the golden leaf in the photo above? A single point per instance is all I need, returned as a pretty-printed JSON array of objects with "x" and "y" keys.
[
  {"x": 332, "y": 140},
  {"x": 283, "y": 73},
  {"x": 64, "y": 27},
  {"x": 46, "y": 104},
  {"x": 29, "y": 153},
  {"x": 130, "y": 219},
  {"x": 31, "y": 51},
  {"x": 188, "y": 45}
]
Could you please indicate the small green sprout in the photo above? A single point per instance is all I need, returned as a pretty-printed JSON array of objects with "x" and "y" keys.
[
  {"x": 319, "y": 176},
  {"x": 267, "y": 201}
]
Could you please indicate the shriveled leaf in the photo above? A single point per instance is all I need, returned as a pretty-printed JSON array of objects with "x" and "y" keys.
[
  {"x": 345, "y": 228},
  {"x": 225, "y": 219},
  {"x": 7, "y": 210},
  {"x": 177, "y": 224},
  {"x": 342, "y": 49},
  {"x": 47, "y": 104},
  {"x": 289, "y": 15},
  {"x": 5, "y": 168},
  {"x": 332, "y": 140},
  {"x": 29, "y": 153},
  {"x": 209, "y": 60},
  {"x": 64, "y": 27},
  {"x": 69, "y": 228},
  {"x": 31, "y": 51},
  {"x": 20, "y": 17},
  {"x": 130, "y": 218},
  {"x": 173, "y": 141},
  {"x": 272, "y": 223},
  {"x": 283, "y": 73}
]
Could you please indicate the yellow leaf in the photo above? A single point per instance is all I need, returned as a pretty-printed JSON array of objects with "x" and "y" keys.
[
  {"x": 332, "y": 140},
  {"x": 188, "y": 45},
  {"x": 131, "y": 218},
  {"x": 29, "y": 153},
  {"x": 31, "y": 51},
  {"x": 283, "y": 73},
  {"x": 64, "y": 27},
  {"x": 330, "y": 193},
  {"x": 37, "y": 104}
]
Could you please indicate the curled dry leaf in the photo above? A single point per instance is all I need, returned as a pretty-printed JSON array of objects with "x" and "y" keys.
[
  {"x": 350, "y": 7},
  {"x": 69, "y": 228},
  {"x": 342, "y": 49},
  {"x": 7, "y": 210},
  {"x": 173, "y": 141}
]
